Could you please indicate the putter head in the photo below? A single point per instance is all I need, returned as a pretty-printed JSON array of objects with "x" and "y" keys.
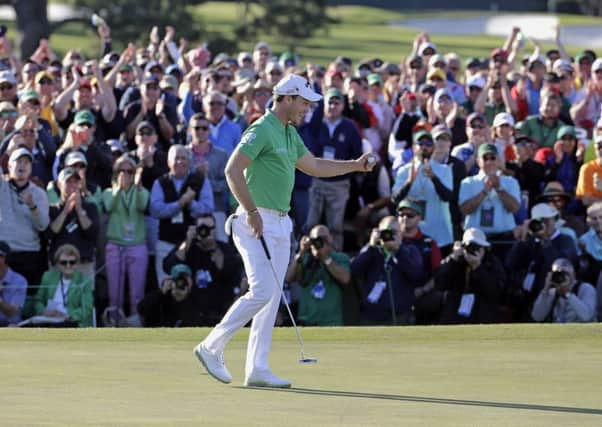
[{"x": 308, "y": 360}]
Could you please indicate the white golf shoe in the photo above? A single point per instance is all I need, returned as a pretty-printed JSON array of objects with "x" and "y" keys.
[
  {"x": 214, "y": 364},
  {"x": 266, "y": 379}
]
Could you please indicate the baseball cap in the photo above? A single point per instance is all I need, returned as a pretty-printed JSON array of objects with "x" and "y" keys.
[
  {"x": 296, "y": 85},
  {"x": 474, "y": 235},
  {"x": 8, "y": 76},
  {"x": 173, "y": 68},
  {"x": 499, "y": 52},
  {"x": 288, "y": 59},
  {"x": 473, "y": 62},
  {"x": 84, "y": 116},
  {"x": 28, "y": 95},
  {"x": 152, "y": 64},
  {"x": 487, "y": 149},
  {"x": 427, "y": 45},
  {"x": 411, "y": 204},
  {"x": 145, "y": 124},
  {"x": 43, "y": 74},
  {"x": 374, "y": 79},
  {"x": 561, "y": 65},
  {"x": 597, "y": 65},
  {"x": 75, "y": 157},
  {"x": 436, "y": 72},
  {"x": 442, "y": 92},
  {"x": 543, "y": 210},
  {"x": 67, "y": 173},
  {"x": 476, "y": 81},
  {"x": 584, "y": 55},
  {"x": 333, "y": 92},
  {"x": 427, "y": 87},
  {"x": 126, "y": 67},
  {"x": 440, "y": 130},
  {"x": 536, "y": 58},
  {"x": 435, "y": 59},
  {"x": 271, "y": 66},
  {"x": 179, "y": 269},
  {"x": 262, "y": 45},
  {"x": 4, "y": 248},
  {"x": 150, "y": 79},
  {"x": 422, "y": 134},
  {"x": 7, "y": 106},
  {"x": 116, "y": 146},
  {"x": 474, "y": 116},
  {"x": 416, "y": 59},
  {"x": 18, "y": 153},
  {"x": 389, "y": 68},
  {"x": 566, "y": 130},
  {"x": 168, "y": 81},
  {"x": 503, "y": 119}
]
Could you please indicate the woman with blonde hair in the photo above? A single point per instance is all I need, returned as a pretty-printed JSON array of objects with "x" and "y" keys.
[
  {"x": 65, "y": 293},
  {"x": 125, "y": 203}
]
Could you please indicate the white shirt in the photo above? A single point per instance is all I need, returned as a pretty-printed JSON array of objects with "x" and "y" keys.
[{"x": 59, "y": 301}]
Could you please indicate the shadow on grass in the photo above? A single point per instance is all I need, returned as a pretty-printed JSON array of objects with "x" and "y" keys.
[{"x": 433, "y": 400}]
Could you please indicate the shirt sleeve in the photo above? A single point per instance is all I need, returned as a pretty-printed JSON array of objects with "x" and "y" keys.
[
  {"x": 253, "y": 142},
  {"x": 512, "y": 188},
  {"x": 584, "y": 183}
]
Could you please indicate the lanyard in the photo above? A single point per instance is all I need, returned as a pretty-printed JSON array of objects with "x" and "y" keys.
[
  {"x": 63, "y": 293},
  {"x": 129, "y": 196}
]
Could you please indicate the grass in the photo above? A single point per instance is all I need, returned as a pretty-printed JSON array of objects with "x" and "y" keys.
[
  {"x": 536, "y": 375},
  {"x": 362, "y": 32}
]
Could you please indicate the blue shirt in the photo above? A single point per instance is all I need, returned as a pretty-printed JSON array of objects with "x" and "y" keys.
[
  {"x": 491, "y": 216},
  {"x": 437, "y": 219},
  {"x": 13, "y": 292},
  {"x": 593, "y": 244},
  {"x": 225, "y": 135},
  {"x": 203, "y": 203}
]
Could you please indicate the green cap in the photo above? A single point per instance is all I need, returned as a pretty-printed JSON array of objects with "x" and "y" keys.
[
  {"x": 288, "y": 57},
  {"x": 29, "y": 95},
  {"x": 487, "y": 149},
  {"x": 126, "y": 67},
  {"x": 333, "y": 92},
  {"x": 583, "y": 55},
  {"x": 84, "y": 116},
  {"x": 566, "y": 130},
  {"x": 374, "y": 79},
  {"x": 180, "y": 269},
  {"x": 421, "y": 134},
  {"x": 411, "y": 204}
]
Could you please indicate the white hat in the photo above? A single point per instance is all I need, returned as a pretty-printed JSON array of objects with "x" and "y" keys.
[
  {"x": 597, "y": 65},
  {"x": 476, "y": 80},
  {"x": 8, "y": 76},
  {"x": 273, "y": 65},
  {"x": 503, "y": 119},
  {"x": 561, "y": 65},
  {"x": 436, "y": 58},
  {"x": 543, "y": 210},
  {"x": 18, "y": 153},
  {"x": 536, "y": 58},
  {"x": 442, "y": 92},
  {"x": 296, "y": 85},
  {"x": 75, "y": 157},
  {"x": 474, "y": 235},
  {"x": 425, "y": 45}
]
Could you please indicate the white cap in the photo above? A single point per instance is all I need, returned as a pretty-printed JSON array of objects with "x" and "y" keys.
[
  {"x": 476, "y": 80},
  {"x": 8, "y": 76},
  {"x": 425, "y": 45},
  {"x": 543, "y": 210},
  {"x": 597, "y": 65},
  {"x": 442, "y": 92},
  {"x": 561, "y": 65},
  {"x": 474, "y": 235},
  {"x": 273, "y": 65},
  {"x": 536, "y": 58},
  {"x": 436, "y": 58},
  {"x": 18, "y": 153},
  {"x": 75, "y": 157},
  {"x": 296, "y": 85},
  {"x": 503, "y": 119}
]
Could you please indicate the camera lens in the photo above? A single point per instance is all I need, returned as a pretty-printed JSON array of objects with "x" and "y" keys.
[
  {"x": 203, "y": 230},
  {"x": 317, "y": 242},
  {"x": 535, "y": 225},
  {"x": 558, "y": 277},
  {"x": 387, "y": 235},
  {"x": 472, "y": 248}
]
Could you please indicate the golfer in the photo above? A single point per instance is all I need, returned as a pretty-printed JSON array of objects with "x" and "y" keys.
[{"x": 260, "y": 174}]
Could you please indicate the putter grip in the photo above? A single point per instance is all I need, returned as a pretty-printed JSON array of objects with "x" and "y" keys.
[{"x": 265, "y": 247}]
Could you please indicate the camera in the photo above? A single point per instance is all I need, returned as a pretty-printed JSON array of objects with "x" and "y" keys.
[
  {"x": 386, "y": 235},
  {"x": 203, "y": 231},
  {"x": 471, "y": 248},
  {"x": 535, "y": 225},
  {"x": 181, "y": 281},
  {"x": 317, "y": 242},
  {"x": 558, "y": 277}
]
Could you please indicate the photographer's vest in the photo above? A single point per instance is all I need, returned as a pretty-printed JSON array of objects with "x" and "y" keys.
[
  {"x": 171, "y": 230},
  {"x": 425, "y": 247}
]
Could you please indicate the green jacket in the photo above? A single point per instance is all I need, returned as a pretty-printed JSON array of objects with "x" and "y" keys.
[{"x": 80, "y": 300}]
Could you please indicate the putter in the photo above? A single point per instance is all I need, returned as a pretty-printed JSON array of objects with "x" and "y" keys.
[{"x": 303, "y": 358}]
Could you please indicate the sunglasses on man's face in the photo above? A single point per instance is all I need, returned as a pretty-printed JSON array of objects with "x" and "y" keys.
[
  {"x": 477, "y": 125},
  {"x": 6, "y": 86},
  {"x": 146, "y": 132},
  {"x": 45, "y": 81},
  {"x": 216, "y": 103},
  {"x": 407, "y": 215},
  {"x": 67, "y": 262},
  {"x": 127, "y": 171},
  {"x": 489, "y": 158},
  {"x": 9, "y": 114},
  {"x": 203, "y": 128}
]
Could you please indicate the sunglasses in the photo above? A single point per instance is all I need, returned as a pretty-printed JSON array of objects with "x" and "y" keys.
[
  {"x": 214, "y": 103},
  {"x": 275, "y": 73},
  {"x": 425, "y": 142},
  {"x": 204, "y": 128},
  {"x": 6, "y": 86},
  {"x": 67, "y": 262},
  {"x": 45, "y": 81},
  {"x": 78, "y": 166},
  {"x": 477, "y": 126},
  {"x": 489, "y": 158},
  {"x": 9, "y": 114},
  {"x": 146, "y": 132},
  {"x": 127, "y": 171},
  {"x": 152, "y": 87},
  {"x": 334, "y": 102},
  {"x": 27, "y": 131},
  {"x": 555, "y": 199},
  {"x": 86, "y": 125}
]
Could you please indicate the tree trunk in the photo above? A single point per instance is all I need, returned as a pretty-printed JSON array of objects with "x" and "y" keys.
[{"x": 32, "y": 21}]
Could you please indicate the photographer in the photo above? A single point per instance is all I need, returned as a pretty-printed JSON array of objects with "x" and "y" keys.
[
  {"x": 531, "y": 257},
  {"x": 474, "y": 280},
  {"x": 388, "y": 271},
  {"x": 563, "y": 298},
  {"x": 176, "y": 303},
  {"x": 322, "y": 274},
  {"x": 216, "y": 268}
]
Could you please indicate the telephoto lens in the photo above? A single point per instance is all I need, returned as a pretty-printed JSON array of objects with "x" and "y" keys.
[
  {"x": 535, "y": 225},
  {"x": 181, "y": 281},
  {"x": 386, "y": 235},
  {"x": 317, "y": 242},
  {"x": 472, "y": 248},
  {"x": 203, "y": 230},
  {"x": 558, "y": 277}
]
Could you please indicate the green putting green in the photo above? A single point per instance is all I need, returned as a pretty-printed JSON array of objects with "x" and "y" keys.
[{"x": 504, "y": 375}]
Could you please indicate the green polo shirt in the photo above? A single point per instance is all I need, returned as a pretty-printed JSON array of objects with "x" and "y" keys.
[{"x": 274, "y": 151}]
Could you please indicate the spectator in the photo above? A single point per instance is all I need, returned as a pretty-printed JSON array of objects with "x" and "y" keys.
[
  {"x": 90, "y": 191},
  {"x": 554, "y": 195},
  {"x": 387, "y": 276},
  {"x": 476, "y": 129},
  {"x": 217, "y": 271},
  {"x": 24, "y": 215},
  {"x": 589, "y": 184},
  {"x": 8, "y": 87},
  {"x": 8, "y": 117},
  {"x": 586, "y": 106},
  {"x": 400, "y": 140},
  {"x": 474, "y": 280},
  {"x": 495, "y": 98},
  {"x": 336, "y": 137},
  {"x": 564, "y": 161},
  {"x": 210, "y": 161},
  {"x": 13, "y": 289},
  {"x": 543, "y": 128},
  {"x": 125, "y": 204},
  {"x": 488, "y": 199},
  {"x": 224, "y": 133},
  {"x": 430, "y": 182},
  {"x": 74, "y": 221},
  {"x": 503, "y": 137},
  {"x": 590, "y": 263},
  {"x": 529, "y": 173},
  {"x": 474, "y": 88},
  {"x": 444, "y": 111},
  {"x": 564, "y": 298},
  {"x": 65, "y": 293},
  {"x": 323, "y": 275},
  {"x": 177, "y": 198}
]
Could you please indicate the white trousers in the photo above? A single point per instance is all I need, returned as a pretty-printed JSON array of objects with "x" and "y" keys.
[{"x": 262, "y": 300}]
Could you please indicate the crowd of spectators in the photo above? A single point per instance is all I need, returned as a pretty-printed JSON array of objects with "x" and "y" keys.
[{"x": 485, "y": 204}]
